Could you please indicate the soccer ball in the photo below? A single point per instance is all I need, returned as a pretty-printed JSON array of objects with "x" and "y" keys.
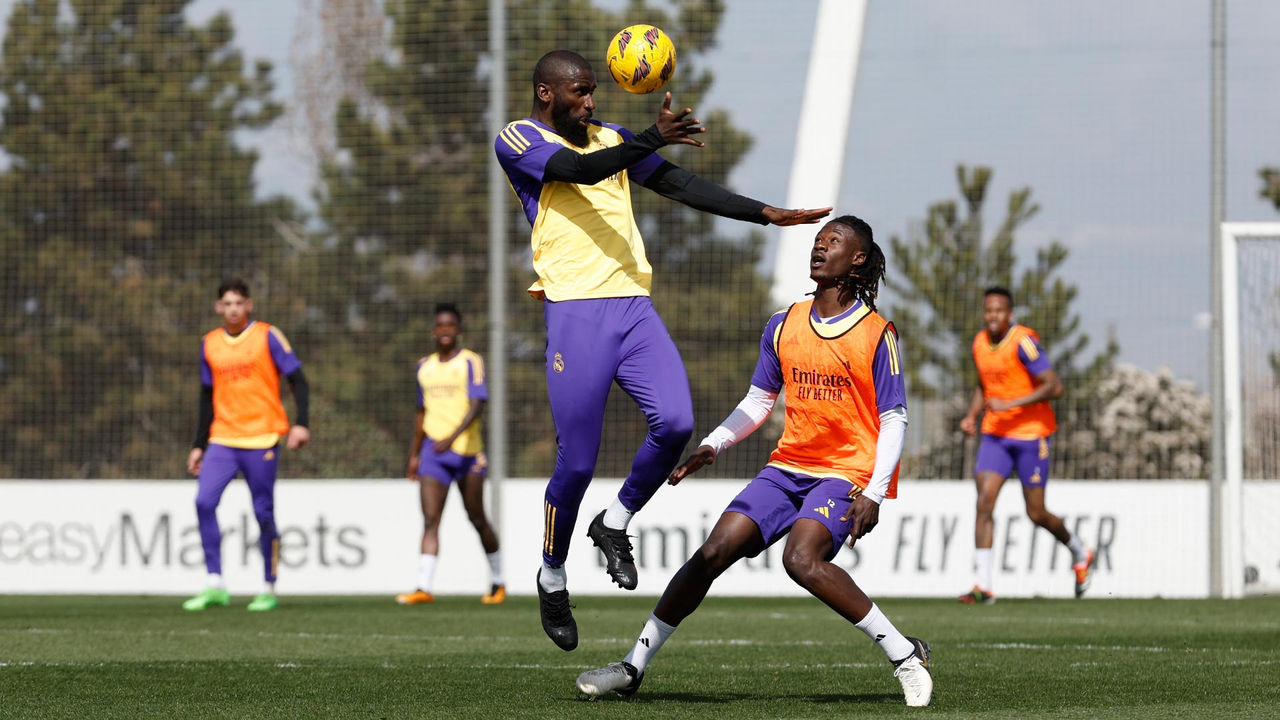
[{"x": 641, "y": 58}]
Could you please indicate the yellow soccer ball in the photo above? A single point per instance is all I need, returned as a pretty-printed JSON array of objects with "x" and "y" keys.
[{"x": 641, "y": 58}]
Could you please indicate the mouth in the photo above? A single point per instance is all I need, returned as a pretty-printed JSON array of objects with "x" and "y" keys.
[{"x": 816, "y": 261}]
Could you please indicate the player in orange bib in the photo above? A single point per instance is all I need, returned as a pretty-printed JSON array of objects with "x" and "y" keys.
[
  {"x": 240, "y": 426},
  {"x": 1016, "y": 381},
  {"x": 837, "y": 362}
]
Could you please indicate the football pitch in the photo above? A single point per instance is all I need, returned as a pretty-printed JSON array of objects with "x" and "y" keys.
[{"x": 365, "y": 657}]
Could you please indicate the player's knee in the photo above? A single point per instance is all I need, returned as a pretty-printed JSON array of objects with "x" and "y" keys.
[
  {"x": 800, "y": 565},
  {"x": 430, "y": 522},
  {"x": 575, "y": 473},
  {"x": 206, "y": 506},
  {"x": 1039, "y": 516},
  {"x": 673, "y": 428},
  {"x": 986, "y": 505},
  {"x": 715, "y": 556}
]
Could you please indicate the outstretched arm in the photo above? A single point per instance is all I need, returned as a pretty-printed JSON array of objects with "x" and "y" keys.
[
  {"x": 676, "y": 183},
  {"x": 745, "y": 419}
]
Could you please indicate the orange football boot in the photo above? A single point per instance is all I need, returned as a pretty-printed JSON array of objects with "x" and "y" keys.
[
  {"x": 417, "y": 597},
  {"x": 497, "y": 595},
  {"x": 978, "y": 596},
  {"x": 1082, "y": 574}
]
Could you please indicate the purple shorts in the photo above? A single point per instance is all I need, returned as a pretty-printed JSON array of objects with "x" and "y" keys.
[
  {"x": 448, "y": 466},
  {"x": 1001, "y": 455},
  {"x": 777, "y": 498}
]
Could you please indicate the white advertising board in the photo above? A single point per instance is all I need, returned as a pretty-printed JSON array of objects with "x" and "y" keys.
[{"x": 361, "y": 536}]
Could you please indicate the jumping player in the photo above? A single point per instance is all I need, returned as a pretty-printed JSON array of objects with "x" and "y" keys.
[
  {"x": 241, "y": 422},
  {"x": 451, "y": 398},
  {"x": 573, "y": 177},
  {"x": 1016, "y": 381},
  {"x": 838, "y": 364}
]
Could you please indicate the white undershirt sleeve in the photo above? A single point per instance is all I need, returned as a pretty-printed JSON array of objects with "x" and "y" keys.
[
  {"x": 893, "y": 432},
  {"x": 744, "y": 420}
]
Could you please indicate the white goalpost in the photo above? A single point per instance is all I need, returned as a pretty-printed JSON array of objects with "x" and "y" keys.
[{"x": 1249, "y": 287}]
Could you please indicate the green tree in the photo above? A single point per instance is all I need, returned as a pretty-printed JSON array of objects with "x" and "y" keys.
[
  {"x": 123, "y": 200},
  {"x": 940, "y": 277},
  {"x": 404, "y": 208}
]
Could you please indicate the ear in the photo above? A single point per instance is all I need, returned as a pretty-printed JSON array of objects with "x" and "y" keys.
[
  {"x": 543, "y": 92},
  {"x": 859, "y": 258},
  {"x": 248, "y": 305}
]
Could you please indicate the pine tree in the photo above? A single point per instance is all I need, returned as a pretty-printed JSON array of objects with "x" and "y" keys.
[{"x": 124, "y": 199}]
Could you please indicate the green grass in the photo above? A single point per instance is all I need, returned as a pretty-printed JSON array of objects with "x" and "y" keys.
[{"x": 363, "y": 657}]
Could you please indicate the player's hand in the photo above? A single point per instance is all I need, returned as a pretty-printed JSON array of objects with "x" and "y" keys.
[
  {"x": 998, "y": 405},
  {"x": 783, "y": 216},
  {"x": 702, "y": 457},
  {"x": 676, "y": 127},
  {"x": 969, "y": 425},
  {"x": 411, "y": 472},
  {"x": 194, "y": 459},
  {"x": 865, "y": 513},
  {"x": 298, "y": 436},
  {"x": 440, "y": 446}
]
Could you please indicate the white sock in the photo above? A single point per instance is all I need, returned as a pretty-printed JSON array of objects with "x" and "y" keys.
[
  {"x": 552, "y": 578},
  {"x": 426, "y": 571},
  {"x": 877, "y": 627},
  {"x": 982, "y": 567},
  {"x": 495, "y": 567},
  {"x": 269, "y": 588},
  {"x": 617, "y": 516},
  {"x": 1077, "y": 549},
  {"x": 215, "y": 581},
  {"x": 655, "y": 633}
]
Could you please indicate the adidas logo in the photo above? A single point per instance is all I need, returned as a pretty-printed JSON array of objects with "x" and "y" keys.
[
  {"x": 823, "y": 512},
  {"x": 644, "y": 641},
  {"x": 879, "y": 638}
]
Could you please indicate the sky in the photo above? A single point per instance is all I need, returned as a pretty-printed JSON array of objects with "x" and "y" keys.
[{"x": 1102, "y": 108}]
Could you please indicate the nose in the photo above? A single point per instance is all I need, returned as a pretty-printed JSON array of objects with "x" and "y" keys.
[{"x": 590, "y": 103}]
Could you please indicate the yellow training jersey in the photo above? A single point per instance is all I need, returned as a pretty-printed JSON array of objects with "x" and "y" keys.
[
  {"x": 445, "y": 391},
  {"x": 585, "y": 240}
]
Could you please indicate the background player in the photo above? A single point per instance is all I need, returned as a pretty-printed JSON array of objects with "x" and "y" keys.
[
  {"x": 241, "y": 421},
  {"x": 1016, "y": 381},
  {"x": 572, "y": 174},
  {"x": 846, "y": 419},
  {"x": 451, "y": 397}
]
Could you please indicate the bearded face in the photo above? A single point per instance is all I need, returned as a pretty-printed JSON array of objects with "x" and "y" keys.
[{"x": 569, "y": 119}]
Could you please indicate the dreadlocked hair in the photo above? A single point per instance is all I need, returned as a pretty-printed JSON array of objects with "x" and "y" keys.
[{"x": 864, "y": 280}]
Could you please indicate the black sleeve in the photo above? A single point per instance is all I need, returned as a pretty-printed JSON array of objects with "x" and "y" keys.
[
  {"x": 672, "y": 181},
  {"x": 590, "y": 168},
  {"x": 301, "y": 396},
  {"x": 205, "y": 417}
]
